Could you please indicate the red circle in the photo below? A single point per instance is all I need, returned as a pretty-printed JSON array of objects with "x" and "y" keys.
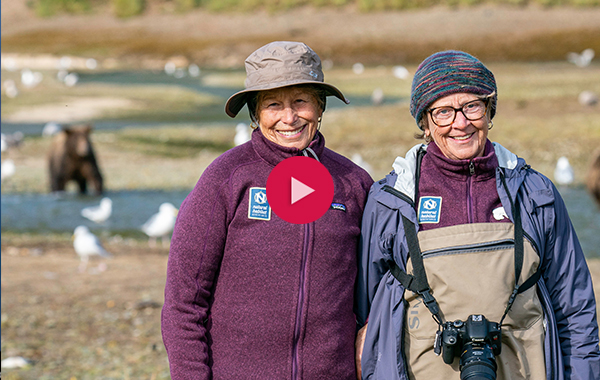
[{"x": 307, "y": 173}]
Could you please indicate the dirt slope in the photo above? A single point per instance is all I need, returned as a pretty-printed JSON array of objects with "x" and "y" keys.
[{"x": 344, "y": 35}]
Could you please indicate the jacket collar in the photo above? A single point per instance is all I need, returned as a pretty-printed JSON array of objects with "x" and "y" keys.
[
  {"x": 404, "y": 168},
  {"x": 477, "y": 169},
  {"x": 274, "y": 153}
]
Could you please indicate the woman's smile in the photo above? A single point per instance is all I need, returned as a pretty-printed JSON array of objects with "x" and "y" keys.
[
  {"x": 292, "y": 133},
  {"x": 462, "y": 138}
]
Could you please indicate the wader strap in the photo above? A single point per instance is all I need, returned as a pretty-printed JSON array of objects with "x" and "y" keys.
[
  {"x": 519, "y": 238},
  {"x": 417, "y": 283}
]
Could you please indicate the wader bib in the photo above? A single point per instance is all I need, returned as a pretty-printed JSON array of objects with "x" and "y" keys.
[{"x": 471, "y": 270}]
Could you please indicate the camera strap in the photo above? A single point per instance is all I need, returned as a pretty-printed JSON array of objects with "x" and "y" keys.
[{"x": 417, "y": 282}]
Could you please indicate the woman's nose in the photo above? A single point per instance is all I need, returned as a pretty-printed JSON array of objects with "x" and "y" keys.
[
  {"x": 460, "y": 119},
  {"x": 289, "y": 115}
]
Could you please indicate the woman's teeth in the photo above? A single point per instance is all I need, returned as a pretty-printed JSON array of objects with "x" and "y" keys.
[
  {"x": 462, "y": 137},
  {"x": 291, "y": 133}
]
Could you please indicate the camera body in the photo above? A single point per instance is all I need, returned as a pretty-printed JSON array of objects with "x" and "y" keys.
[{"x": 477, "y": 341}]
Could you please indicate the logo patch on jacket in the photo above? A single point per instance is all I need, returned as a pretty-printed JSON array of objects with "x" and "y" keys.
[
  {"x": 258, "y": 207},
  {"x": 430, "y": 209},
  {"x": 338, "y": 206}
]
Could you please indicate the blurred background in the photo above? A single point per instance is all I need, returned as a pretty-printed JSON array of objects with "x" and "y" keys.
[{"x": 151, "y": 77}]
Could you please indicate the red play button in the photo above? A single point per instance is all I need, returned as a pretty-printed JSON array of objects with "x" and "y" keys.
[{"x": 300, "y": 190}]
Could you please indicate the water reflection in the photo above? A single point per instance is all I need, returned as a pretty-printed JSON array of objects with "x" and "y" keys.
[
  {"x": 48, "y": 213},
  {"x": 202, "y": 115},
  {"x": 585, "y": 216}
]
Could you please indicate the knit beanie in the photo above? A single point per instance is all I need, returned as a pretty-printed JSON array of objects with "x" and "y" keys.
[{"x": 450, "y": 72}]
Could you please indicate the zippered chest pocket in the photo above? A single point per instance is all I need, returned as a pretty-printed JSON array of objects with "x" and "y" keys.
[{"x": 470, "y": 269}]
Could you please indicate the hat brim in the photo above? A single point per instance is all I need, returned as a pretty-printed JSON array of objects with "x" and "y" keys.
[{"x": 237, "y": 101}]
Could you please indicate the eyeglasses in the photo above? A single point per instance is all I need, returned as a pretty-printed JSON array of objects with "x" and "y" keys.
[{"x": 444, "y": 116}]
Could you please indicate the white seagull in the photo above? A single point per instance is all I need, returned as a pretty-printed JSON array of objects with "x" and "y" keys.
[
  {"x": 242, "y": 134},
  {"x": 400, "y": 72},
  {"x": 86, "y": 244},
  {"x": 377, "y": 97},
  {"x": 563, "y": 173},
  {"x": 581, "y": 60},
  {"x": 358, "y": 68},
  {"x": 358, "y": 160},
  {"x": 587, "y": 98},
  {"x": 8, "y": 169},
  {"x": 15, "y": 362},
  {"x": 160, "y": 224},
  {"x": 100, "y": 213},
  {"x": 50, "y": 129}
]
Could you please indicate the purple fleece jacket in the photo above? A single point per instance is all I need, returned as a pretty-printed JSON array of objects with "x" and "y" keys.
[
  {"x": 262, "y": 299},
  {"x": 476, "y": 179}
]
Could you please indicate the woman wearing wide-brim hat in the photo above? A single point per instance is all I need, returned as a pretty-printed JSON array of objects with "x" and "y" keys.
[{"x": 249, "y": 295}]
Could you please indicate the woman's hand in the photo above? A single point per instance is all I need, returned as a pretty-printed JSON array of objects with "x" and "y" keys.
[{"x": 358, "y": 347}]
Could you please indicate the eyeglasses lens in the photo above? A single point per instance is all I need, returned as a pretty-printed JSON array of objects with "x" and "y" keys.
[{"x": 444, "y": 116}]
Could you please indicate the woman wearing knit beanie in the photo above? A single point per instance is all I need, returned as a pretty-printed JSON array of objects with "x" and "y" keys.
[{"x": 469, "y": 265}]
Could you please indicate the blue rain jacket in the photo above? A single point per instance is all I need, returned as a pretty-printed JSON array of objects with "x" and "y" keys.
[{"x": 565, "y": 286}]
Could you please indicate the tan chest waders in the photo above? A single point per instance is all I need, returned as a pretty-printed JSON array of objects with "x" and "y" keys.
[{"x": 465, "y": 270}]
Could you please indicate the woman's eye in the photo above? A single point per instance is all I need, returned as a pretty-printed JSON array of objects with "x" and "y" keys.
[{"x": 474, "y": 105}]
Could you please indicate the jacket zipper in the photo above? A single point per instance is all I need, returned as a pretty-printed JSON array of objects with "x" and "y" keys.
[
  {"x": 299, "y": 309},
  {"x": 404, "y": 197},
  {"x": 469, "y": 192}
]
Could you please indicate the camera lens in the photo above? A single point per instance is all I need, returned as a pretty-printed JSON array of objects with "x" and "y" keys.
[{"x": 477, "y": 362}]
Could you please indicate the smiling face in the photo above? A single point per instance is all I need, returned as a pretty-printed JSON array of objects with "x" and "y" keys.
[
  {"x": 289, "y": 116},
  {"x": 463, "y": 139}
]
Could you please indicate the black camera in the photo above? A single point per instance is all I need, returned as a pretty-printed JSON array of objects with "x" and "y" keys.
[{"x": 477, "y": 341}]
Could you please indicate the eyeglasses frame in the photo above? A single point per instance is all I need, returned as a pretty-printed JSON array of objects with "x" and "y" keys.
[{"x": 485, "y": 100}]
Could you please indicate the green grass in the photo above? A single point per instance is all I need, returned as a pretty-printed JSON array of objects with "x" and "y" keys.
[
  {"x": 128, "y": 8},
  {"x": 152, "y": 103}
]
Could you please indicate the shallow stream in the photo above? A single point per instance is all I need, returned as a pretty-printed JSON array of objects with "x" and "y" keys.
[{"x": 50, "y": 213}]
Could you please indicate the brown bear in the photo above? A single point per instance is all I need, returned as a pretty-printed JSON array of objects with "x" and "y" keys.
[{"x": 71, "y": 157}]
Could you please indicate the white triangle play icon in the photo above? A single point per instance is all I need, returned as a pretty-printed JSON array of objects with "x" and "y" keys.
[{"x": 299, "y": 190}]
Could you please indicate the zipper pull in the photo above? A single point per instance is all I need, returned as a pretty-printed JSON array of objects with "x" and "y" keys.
[{"x": 471, "y": 168}]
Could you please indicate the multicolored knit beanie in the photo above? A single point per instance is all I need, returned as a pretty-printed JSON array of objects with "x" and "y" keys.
[{"x": 449, "y": 72}]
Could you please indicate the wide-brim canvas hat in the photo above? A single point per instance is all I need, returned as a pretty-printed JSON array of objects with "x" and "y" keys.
[{"x": 280, "y": 64}]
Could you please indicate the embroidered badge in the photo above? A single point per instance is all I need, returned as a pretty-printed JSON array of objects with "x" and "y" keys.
[
  {"x": 430, "y": 209},
  {"x": 338, "y": 206},
  {"x": 258, "y": 207},
  {"x": 499, "y": 213}
]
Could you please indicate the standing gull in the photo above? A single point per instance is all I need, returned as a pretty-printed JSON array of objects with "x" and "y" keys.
[
  {"x": 8, "y": 169},
  {"x": 563, "y": 173},
  {"x": 86, "y": 244},
  {"x": 161, "y": 224},
  {"x": 242, "y": 134},
  {"x": 100, "y": 213}
]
